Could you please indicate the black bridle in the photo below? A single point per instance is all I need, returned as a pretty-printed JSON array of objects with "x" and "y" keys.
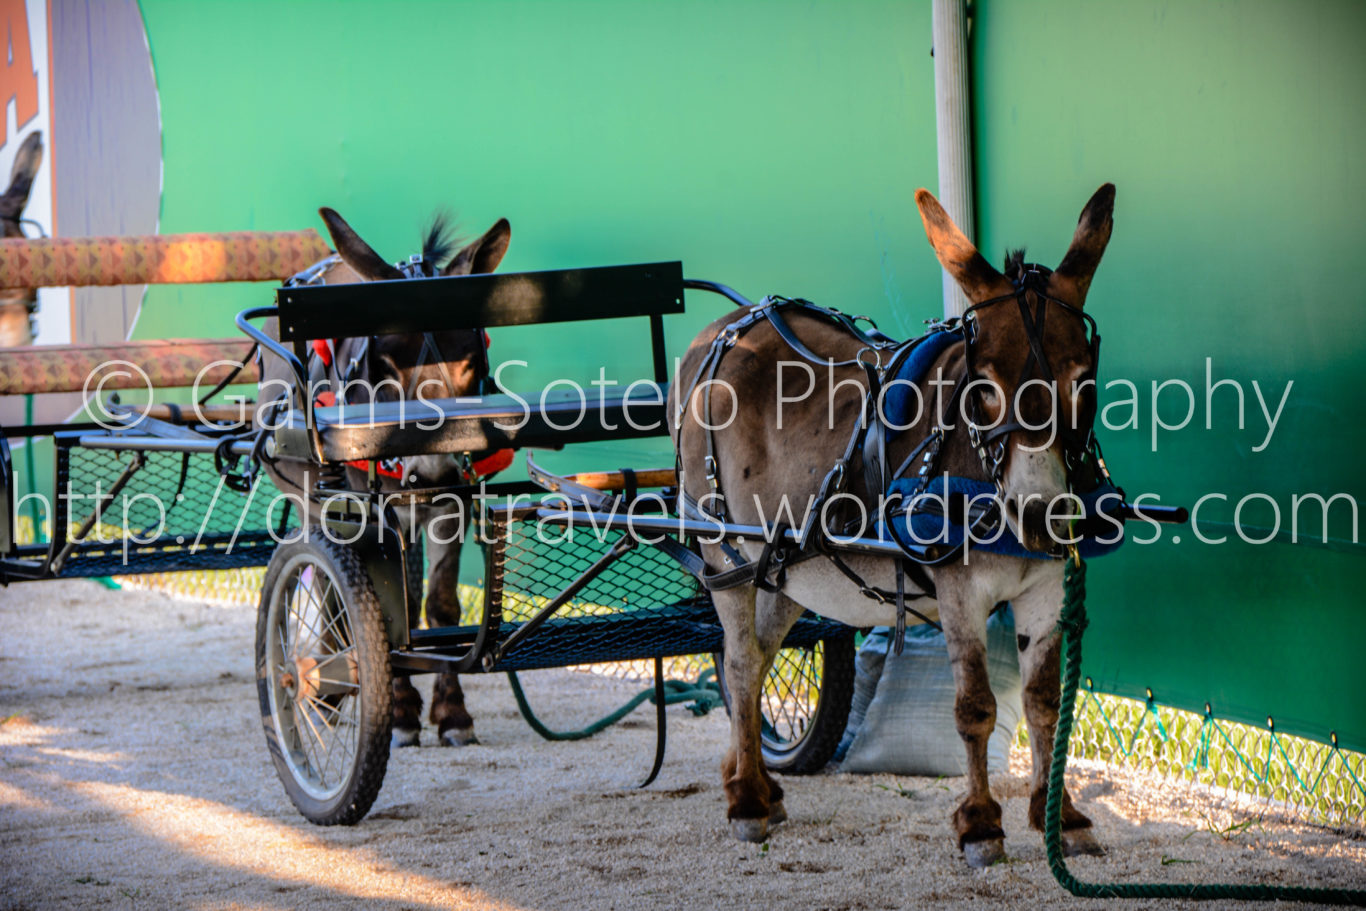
[
  {"x": 989, "y": 441},
  {"x": 422, "y": 267}
]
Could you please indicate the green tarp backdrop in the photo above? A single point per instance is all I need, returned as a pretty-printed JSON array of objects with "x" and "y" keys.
[{"x": 777, "y": 148}]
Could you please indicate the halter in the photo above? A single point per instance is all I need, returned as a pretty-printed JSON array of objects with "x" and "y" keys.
[
  {"x": 420, "y": 267},
  {"x": 989, "y": 442},
  {"x": 417, "y": 266}
]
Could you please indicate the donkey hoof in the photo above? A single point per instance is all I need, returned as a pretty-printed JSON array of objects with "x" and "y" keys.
[
  {"x": 459, "y": 737},
  {"x": 777, "y": 813},
  {"x": 752, "y": 830},
  {"x": 984, "y": 853},
  {"x": 403, "y": 738},
  {"x": 1077, "y": 842}
]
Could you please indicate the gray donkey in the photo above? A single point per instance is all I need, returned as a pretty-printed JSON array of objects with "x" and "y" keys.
[{"x": 446, "y": 364}]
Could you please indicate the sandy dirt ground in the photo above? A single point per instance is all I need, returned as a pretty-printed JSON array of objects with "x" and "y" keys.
[{"x": 134, "y": 774}]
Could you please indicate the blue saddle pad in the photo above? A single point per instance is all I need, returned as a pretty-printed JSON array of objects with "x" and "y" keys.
[
  {"x": 899, "y": 404},
  {"x": 932, "y": 528}
]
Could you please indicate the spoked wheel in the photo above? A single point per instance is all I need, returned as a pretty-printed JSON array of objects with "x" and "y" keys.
[
  {"x": 804, "y": 704},
  {"x": 323, "y": 677}
]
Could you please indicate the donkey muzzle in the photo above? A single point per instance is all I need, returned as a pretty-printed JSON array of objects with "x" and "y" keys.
[{"x": 1034, "y": 528}]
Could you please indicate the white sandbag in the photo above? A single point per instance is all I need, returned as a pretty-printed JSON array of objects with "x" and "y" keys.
[{"x": 902, "y": 718}]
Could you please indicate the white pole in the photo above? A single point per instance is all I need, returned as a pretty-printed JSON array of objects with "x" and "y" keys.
[{"x": 953, "y": 112}]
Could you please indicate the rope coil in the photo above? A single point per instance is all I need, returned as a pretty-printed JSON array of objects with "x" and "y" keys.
[
  {"x": 1071, "y": 624},
  {"x": 703, "y": 695}
]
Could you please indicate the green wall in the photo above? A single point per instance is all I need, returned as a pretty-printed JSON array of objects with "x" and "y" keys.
[
  {"x": 772, "y": 152},
  {"x": 1233, "y": 132},
  {"x": 777, "y": 148}
]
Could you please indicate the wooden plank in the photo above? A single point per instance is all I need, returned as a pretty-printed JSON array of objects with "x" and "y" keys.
[
  {"x": 165, "y": 364},
  {"x": 615, "y": 480},
  {"x": 237, "y": 256}
]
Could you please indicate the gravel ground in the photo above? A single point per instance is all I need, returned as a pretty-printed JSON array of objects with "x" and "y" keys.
[{"x": 133, "y": 774}]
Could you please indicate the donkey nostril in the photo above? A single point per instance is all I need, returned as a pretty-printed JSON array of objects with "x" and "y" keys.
[{"x": 1012, "y": 510}]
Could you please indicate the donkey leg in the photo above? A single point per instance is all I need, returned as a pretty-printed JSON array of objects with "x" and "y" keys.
[
  {"x": 774, "y": 615},
  {"x": 453, "y": 723},
  {"x": 407, "y": 713},
  {"x": 1036, "y": 617},
  {"x": 977, "y": 821},
  {"x": 454, "y": 726},
  {"x": 742, "y": 773}
]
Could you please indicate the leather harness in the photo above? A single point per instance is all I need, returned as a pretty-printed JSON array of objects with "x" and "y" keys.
[{"x": 880, "y": 358}]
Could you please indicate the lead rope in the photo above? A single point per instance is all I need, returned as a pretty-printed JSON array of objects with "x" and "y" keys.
[{"x": 1071, "y": 624}]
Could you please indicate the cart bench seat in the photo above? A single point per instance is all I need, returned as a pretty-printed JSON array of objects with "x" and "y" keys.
[{"x": 474, "y": 423}]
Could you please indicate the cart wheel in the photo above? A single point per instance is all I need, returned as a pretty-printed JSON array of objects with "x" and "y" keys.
[
  {"x": 323, "y": 677},
  {"x": 804, "y": 704}
]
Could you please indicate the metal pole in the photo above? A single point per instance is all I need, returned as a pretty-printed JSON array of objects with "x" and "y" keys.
[{"x": 953, "y": 122}]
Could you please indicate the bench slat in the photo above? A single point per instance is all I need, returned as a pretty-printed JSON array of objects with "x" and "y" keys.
[{"x": 479, "y": 301}]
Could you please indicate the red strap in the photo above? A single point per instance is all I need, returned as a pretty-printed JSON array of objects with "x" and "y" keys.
[
  {"x": 323, "y": 349},
  {"x": 492, "y": 463},
  {"x": 381, "y": 469},
  {"x": 325, "y": 398}
]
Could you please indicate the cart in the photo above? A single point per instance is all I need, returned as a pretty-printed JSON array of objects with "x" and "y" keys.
[{"x": 576, "y": 570}]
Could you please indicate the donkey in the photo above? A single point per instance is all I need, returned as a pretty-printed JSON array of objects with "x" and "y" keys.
[
  {"x": 440, "y": 364},
  {"x": 763, "y": 452},
  {"x": 18, "y": 304}
]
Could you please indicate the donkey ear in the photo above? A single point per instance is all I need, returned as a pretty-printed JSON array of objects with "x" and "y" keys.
[
  {"x": 1088, "y": 243},
  {"x": 956, "y": 253},
  {"x": 484, "y": 254},
  {"x": 355, "y": 252},
  {"x": 26, "y": 163}
]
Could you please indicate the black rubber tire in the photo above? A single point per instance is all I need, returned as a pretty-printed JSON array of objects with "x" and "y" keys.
[
  {"x": 363, "y": 700},
  {"x": 821, "y": 720}
]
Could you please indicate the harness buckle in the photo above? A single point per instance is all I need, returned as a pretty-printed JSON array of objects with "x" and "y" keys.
[
  {"x": 728, "y": 337},
  {"x": 941, "y": 325},
  {"x": 875, "y": 363},
  {"x": 834, "y": 480},
  {"x": 709, "y": 470},
  {"x": 974, "y": 436},
  {"x": 413, "y": 268}
]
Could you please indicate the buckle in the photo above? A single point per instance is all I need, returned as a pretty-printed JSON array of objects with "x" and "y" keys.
[
  {"x": 834, "y": 478},
  {"x": 875, "y": 363}
]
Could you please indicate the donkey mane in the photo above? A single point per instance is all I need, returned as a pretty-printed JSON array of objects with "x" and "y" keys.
[
  {"x": 439, "y": 241},
  {"x": 1014, "y": 263}
]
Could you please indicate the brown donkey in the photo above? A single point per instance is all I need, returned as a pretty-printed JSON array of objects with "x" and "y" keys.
[
  {"x": 446, "y": 364},
  {"x": 767, "y": 449}
]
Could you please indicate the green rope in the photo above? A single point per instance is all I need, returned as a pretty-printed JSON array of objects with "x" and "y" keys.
[
  {"x": 1072, "y": 624},
  {"x": 703, "y": 695}
]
